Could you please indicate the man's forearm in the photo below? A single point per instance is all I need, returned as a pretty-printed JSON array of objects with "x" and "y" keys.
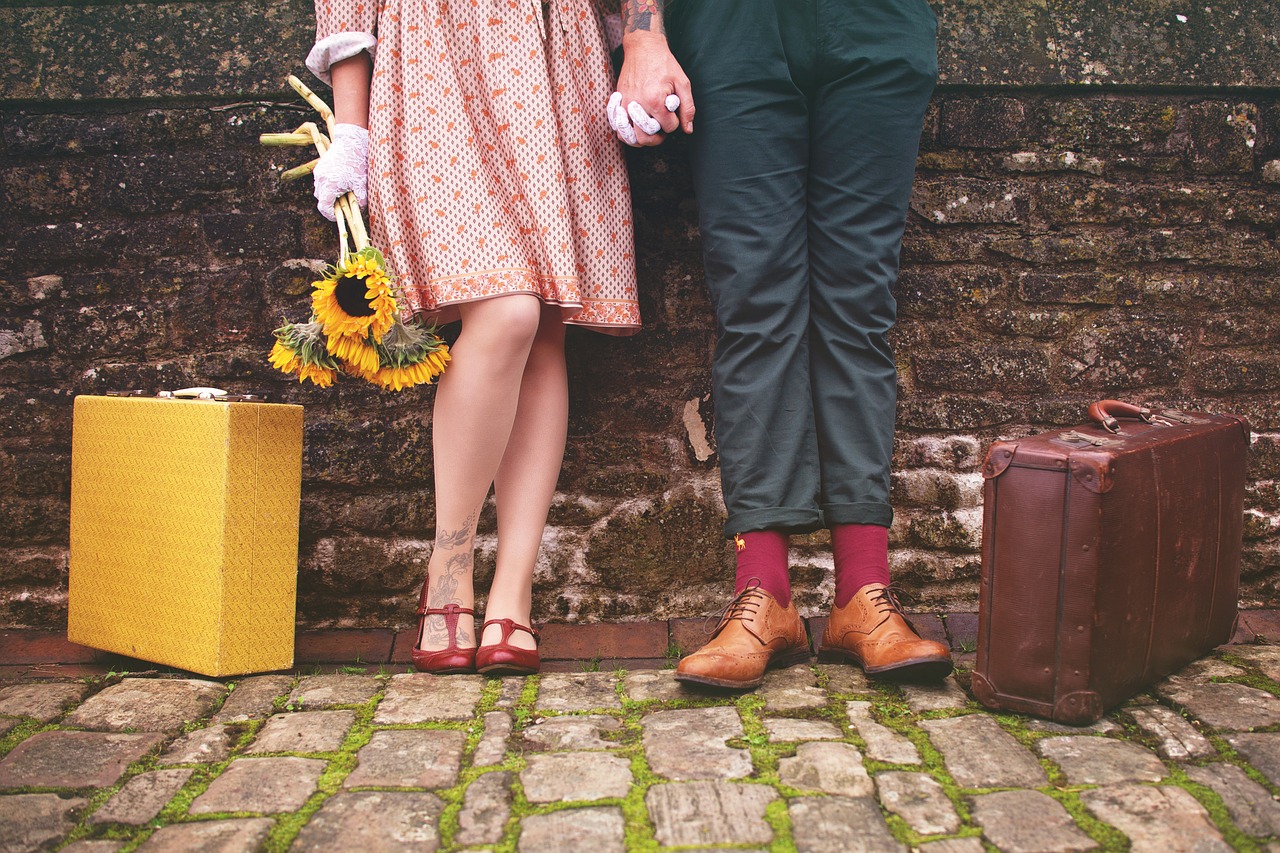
[{"x": 642, "y": 16}]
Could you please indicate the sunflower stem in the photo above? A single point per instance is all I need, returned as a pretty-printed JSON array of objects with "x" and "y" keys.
[
  {"x": 285, "y": 139},
  {"x": 314, "y": 100},
  {"x": 300, "y": 171}
]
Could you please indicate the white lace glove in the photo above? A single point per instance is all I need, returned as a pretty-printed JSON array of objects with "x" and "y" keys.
[
  {"x": 343, "y": 168},
  {"x": 621, "y": 119}
]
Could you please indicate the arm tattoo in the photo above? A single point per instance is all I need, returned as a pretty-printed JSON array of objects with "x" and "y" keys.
[{"x": 643, "y": 15}]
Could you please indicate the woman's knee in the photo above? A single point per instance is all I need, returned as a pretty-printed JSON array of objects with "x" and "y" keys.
[{"x": 506, "y": 322}]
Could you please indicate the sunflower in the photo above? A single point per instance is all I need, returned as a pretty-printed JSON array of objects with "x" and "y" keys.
[
  {"x": 409, "y": 355},
  {"x": 355, "y": 299},
  {"x": 357, "y": 353},
  {"x": 300, "y": 351}
]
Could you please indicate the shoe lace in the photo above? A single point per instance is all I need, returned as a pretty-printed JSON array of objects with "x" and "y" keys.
[
  {"x": 888, "y": 601},
  {"x": 744, "y": 604}
]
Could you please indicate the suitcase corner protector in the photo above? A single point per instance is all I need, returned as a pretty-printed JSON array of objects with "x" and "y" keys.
[
  {"x": 998, "y": 458},
  {"x": 1081, "y": 708}
]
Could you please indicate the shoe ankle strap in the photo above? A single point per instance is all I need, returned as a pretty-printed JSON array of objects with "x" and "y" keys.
[
  {"x": 447, "y": 610},
  {"x": 509, "y": 627}
]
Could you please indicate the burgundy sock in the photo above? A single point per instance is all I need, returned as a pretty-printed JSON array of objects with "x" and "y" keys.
[
  {"x": 862, "y": 557},
  {"x": 762, "y": 555}
]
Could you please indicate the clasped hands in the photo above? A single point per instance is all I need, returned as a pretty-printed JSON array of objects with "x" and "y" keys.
[{"x": 653, "y": 96}]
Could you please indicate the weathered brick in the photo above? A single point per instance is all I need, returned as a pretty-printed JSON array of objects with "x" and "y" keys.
[
  {"x": 984, "y": 122},
  {"x": 1222, "y": 136},
  {"x": 1009, "y": 369},
  {"x": 1232, "y": 372},
  {"x": 969, "y": 201}
]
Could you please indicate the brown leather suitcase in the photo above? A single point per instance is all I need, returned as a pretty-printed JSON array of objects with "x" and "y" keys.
[{"x": 1110, "y": 557}]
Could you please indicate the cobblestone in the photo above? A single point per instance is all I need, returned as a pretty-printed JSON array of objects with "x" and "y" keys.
[
  {"x": 1156, "y": 819},
  {"x": 323, "y": 691},
  {"x": 690, "y": 744},
  {"x": 418, "y": 697},
  {"x": 980, "y": 754},
  {"x": 919, "y": 800},
  {"x": 953, "y": 845},
  {"x": 264, "y": 785},
  {"x": 570, "y": 776},
  {"x": 1226, "y": 706},
  {"x": 1101, "y": 727},
  {"x": 599, "y": 829},
  {"x": 572, "y": 732},
  {"x": 1101, "y": 761},
  {"x": 689, "y": 813},
  {"x": 253, "y": 699},
  {"x": 28, "y": 821},
  {"x": 1252, "y": 807},
  {"x": 73, "y": 759},
  {"x": 373, "y": 821},
  {"x": 493, "y": 743},
  {"x": 832, "y": 768},
  {"x": 409, "y": 758},
  {"x": 578, "y": 691},
  {"x": 307, "y": 731},
  {"x": 1179, "y": 740},
  {"x": 92, "y": 846},
  {"x": 210, "y": 836},
  {"x": 42, "y": 701},
  {"x": 1028, "y": 822},
  {"x": 142, "y": 797},
  {"x": 574, "y": 745},
  {"x": 655, "y": 684},
  {"x": 792, "y": 689},
  {"x": 840, "y": 825},
  {"x": 788, "y": 729},
  {"x": 202, "y": 746},
  {"x": 935, "y": 697},
  {"x": 1262, "y": 750},
  {"x": 485, "y": 809},
  {"x": 845, "y": 679},
  {"x": 883, "y": 743},
  {"x": 147, "y": 705}
]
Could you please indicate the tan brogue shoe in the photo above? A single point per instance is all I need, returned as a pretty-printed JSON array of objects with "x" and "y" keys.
[
  {"x": 755, "y": 633},
  {"x": 872, "y": 632}
]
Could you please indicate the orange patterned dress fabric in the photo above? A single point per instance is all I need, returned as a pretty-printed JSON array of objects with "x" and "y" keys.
[{"x": 492, "y": 168}]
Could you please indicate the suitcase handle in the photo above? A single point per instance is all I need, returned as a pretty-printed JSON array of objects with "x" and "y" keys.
[{"x": 1106, "y": 413}]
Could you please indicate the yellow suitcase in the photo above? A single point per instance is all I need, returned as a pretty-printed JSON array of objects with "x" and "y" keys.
[{"x": 184, "y": 531}]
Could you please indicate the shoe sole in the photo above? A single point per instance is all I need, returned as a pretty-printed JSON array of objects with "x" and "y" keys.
[
  {"x": 789, "y": 659},
  {"x": 507, "y": 669},
  {"x": 922, "y": 669}
]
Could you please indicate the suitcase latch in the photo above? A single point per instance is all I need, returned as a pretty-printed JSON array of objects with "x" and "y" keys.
[
  {"x": 1095, "y": 440},
  {"x": 1177, "y": 417}
]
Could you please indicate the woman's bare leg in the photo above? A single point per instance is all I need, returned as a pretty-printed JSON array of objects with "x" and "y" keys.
[
  {"x": 475, "y": 408},
  {"x": 526, "y": 479}
]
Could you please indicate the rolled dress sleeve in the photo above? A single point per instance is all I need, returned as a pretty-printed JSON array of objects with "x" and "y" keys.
[{"x": 344, "y": 28}]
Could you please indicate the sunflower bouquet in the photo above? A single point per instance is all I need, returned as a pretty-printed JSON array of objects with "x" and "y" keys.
[{"x": 356, "y": 325}]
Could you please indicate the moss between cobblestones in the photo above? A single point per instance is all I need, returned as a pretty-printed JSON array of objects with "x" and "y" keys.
[
  {"x": 1230, "y": 756},
  {"x": 339, "y": 766},
  {"x": 1253, "y": 679},
  {"x": 1217, "y": 810},
  {"x": 1108, "y": 837},
  {"x": 21, "y": 732}
]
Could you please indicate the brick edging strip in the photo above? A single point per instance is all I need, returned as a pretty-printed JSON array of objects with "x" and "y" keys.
[{"x": 598, "y": 642}]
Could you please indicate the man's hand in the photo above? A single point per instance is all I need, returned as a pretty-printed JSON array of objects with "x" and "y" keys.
[{"x": 650, "y": 74}]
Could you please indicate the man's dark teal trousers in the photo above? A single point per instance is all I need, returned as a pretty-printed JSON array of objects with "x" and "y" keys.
[{"x": 809, "y": 115}]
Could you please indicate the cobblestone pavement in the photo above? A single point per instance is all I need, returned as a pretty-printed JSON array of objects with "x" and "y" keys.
[{"x": 817, "y": 759}]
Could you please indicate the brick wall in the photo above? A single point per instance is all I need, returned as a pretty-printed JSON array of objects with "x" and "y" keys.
[{"x": 1095, "y": 216}]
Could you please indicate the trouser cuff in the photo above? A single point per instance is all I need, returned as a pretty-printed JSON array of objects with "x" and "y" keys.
[
  {"x": 785, "y": 519},
  {"x": 858, "y": 513}
]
